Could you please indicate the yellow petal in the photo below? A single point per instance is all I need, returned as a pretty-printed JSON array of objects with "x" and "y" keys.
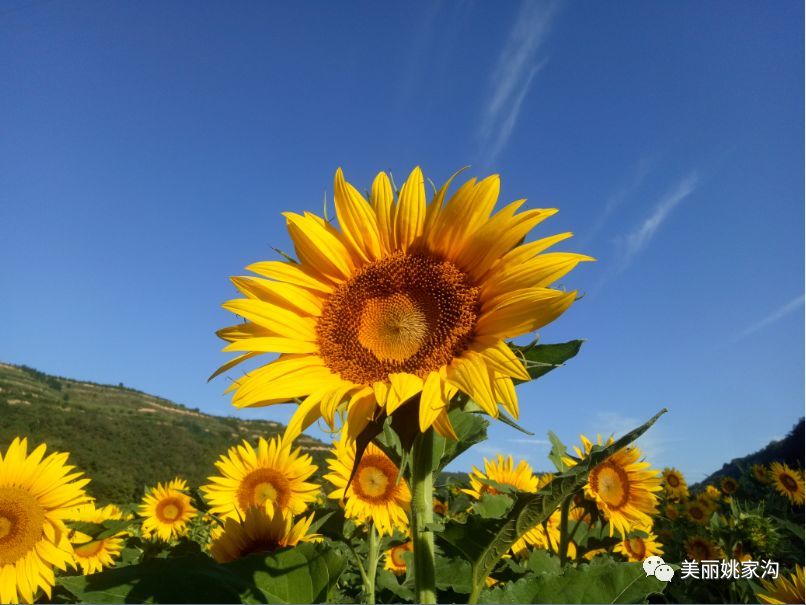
[
  {"x": 360, "y": 412},
  {"x": 504, "y": 391},
  {"x": 232, "y": 363},
  {"x": 464, "y": 214},
  {"x": 501, "y": 358},
  {"x": 290, "y": 273},
  {"x": 287, "y": 296},
  {"x": 357, "y": 220},
  {"x": 410, "y": 210},
  {"x": 443, "y": 426},
  {"x": 272, "y": 344},
  {"x": 470, "y": 375},
  {"x": 318, "y": 247},
  {"x": 383, "y": 200},
  {"x": 524, "y": 311},
  {"x": 281, "y": 322},
  {"x": 304, "y": 416},
  {"x": 540, "y": 271},
  {"x": 432, "y": 400},
  {"x": 403, "y": 387}
]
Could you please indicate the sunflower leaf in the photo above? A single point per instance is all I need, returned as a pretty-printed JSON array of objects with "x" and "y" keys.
[
  {"x": 601, "y": 581},
  {"x": 484, "y": 542},
  {"x": 542, "y": 359}
]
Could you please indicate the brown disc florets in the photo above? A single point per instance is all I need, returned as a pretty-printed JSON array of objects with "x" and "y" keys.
[{"x": 404, "y": 313}]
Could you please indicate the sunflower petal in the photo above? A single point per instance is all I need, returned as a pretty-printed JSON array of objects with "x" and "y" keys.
[
  {"x": 357, "y": 220},
  {"x": 410, "y": 210}
]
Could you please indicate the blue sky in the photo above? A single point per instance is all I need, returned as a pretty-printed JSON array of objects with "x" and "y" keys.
[{"x": 147, "y": 150}]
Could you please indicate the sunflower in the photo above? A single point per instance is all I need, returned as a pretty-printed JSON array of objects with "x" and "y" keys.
[
  {"x": 698, "y": 511},
  {"x": 594, "y": 553},
  {"x": 760, "y": 473},
  {"x": 624, "y": 489},
  {"x": 637, "y": 548},
  {"x": 440, "y": 507},
  {"x": 263, "y": 529},
  {"x": 376, "y": 492},
  {"x": 36, "y": 494},
  {"x": 711, "y": 494},
  {"x": 93, "y": 555},
  {"x": 700, "y": 548},
  {"x": 502, "y": 470},
  {"x": 674, "y": 484},
  {"x": 672, "y": 511},
  {"x": 788, "y": 482},
  {"x": 273, "y": 473},
  {"x": 394, "y": 558},
  {"x": 729, "y": 486},
  {"x": 783, "y": 589},
  {"x": 167, "y": 510},
  {"x": 406, "y": 299},
  {"x": 546, "y": 537},
  {"x": 585, "y": 450}
]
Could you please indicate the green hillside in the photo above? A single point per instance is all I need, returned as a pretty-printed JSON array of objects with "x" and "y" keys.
[{"x": 122, "y": 438}]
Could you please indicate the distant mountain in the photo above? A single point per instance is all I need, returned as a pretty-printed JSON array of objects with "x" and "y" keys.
[
  {"x": 121, "y": 438},
  {"x": 788, "y": 450}
]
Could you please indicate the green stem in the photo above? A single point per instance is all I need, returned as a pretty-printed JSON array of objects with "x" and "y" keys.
[
  {"x": 422, "y": 513},
  {"x": 564, "y": 529},
  {"x": 372, "y": 564}
]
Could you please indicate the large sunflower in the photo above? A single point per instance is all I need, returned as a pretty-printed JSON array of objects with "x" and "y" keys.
[
  {"x": 376, "y": 492},
  {"x": 501, "y": 470},
  {"x": 261, "y": 530},
  {"x": 407, "y": 298},
  {"x": 699, "y": 511},
  {"x": 783, "y": 589},
  {"x": 36, "y": 494},
  {"x": 93, "y": 555},
  {"x": 637, "y": 548},
  {"x": 788, "y": 482},
  {"x": 624, "y": 489},
  {"x": 167, "y": 510},
  {"x": 674, "y": 484},
  {"x": 273, "y": 473}
]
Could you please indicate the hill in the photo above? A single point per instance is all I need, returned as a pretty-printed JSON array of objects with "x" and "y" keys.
[
  {"x": 788, "y": 450},
  {"x": 122, "y": 438}
]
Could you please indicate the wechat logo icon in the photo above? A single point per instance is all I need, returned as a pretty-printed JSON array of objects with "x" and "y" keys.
[{"x": 656, "y": 566}]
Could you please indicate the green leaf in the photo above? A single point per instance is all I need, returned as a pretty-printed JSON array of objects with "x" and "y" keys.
[
  {"x": 303, "y": 574},
  {"x": 541, "y": 562},
  {"x": 386, "y": 580},
  {"x": 542, "y": 359},
  {"x": 493, "y": 506},
  {"x": 558, "y": 451},
  {"x": 484, "y": 541},
  {"x": 99, "y": 531},
  {"x": 603, "y": 581},
  {"x": 470, "y": 430},
  {"x": 453, "y": 573}
]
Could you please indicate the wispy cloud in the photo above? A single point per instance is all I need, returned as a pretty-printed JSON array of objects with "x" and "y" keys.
[
  {"x": 770, "y": 319},
  {"x": 637, "y": 240},
  {"x": 512, "y": 77},
  {"x": 617, "y": 199}
]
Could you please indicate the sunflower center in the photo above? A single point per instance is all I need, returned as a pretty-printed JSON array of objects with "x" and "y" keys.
[
  {"x": 696, "y": 513},
  {"x": 611, "y": 483},
  {"x": 263, "y": 485},
  {"x": 699, "y": 550},
  {"x": 789, "y": 483},
  {"x": 21, "y": 521},
  {"x": 672, "y": 481},
  {"x": 169, "y": 510},
  {"x": 636, "y": 547},
  {"x": 397, "y": 555},
  {"x": 375, "y": 479},
  {"x": 404, "y": 313},
  {"x": 258, "y": 545}
]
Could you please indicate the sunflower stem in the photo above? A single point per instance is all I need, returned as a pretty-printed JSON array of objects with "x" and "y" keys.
[
  {"x": 564, "y": 530},
  {"x": 422, "y": 514},
  {"x": 372, "y": 564}
]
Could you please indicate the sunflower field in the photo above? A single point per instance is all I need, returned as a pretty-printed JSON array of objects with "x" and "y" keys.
[{"x": 392, "y": 325}]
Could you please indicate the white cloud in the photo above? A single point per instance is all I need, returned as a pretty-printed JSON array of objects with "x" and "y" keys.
[
  {"x": 512, "y": 77},
  {"x": 638, "y": 239},
  {"x": 770, "y": 319}
]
